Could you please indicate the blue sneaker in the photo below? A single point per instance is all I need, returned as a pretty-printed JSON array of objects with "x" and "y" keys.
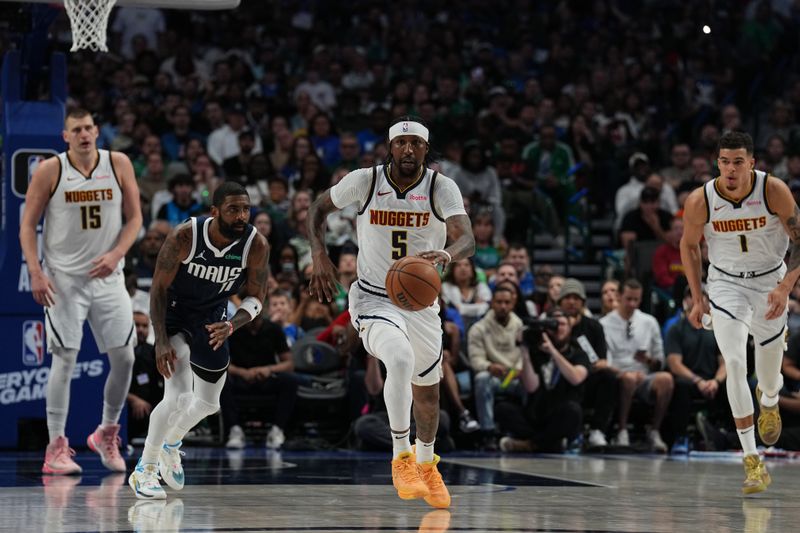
[
  {"x": 169, "y": 465},
  {"x": 144, "y": 482},
  {"x": 680, "y": 446}
]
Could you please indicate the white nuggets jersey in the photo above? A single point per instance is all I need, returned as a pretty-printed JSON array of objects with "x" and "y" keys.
[
  {"x": 83, "y": 217},
  {"x": 744, "y": 236},
  {"x": 394, "y": 223}
]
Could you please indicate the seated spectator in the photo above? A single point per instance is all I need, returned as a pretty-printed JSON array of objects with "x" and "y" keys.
[
  {"x": 236, "y": 167},
  {"x": 627, "y": 196},
  {"x": 183, "y": 205},
  {"x": 517, "y": 256},
  {"x": 281, "y": 309},
  {"x": 174, "y": 141},
  {"x": 462, "y": 290},
  {"x": 312, "y": 314},
  {"x": 637, "y": 354},
  {"x": 553, "y": 373},
  {"x": 698, "y": 368},
  {"x": 347, "y": 274},
  {"x": 680, "y": 171},
  {"x": 144, "y": 260},
  {"x": 554, "y": 286},
  {"x": 494, "y": 354},
  {"x": 487, "y": 255},
  {"x": 478, "y": 181},
  {"x": 609, "y": 296},
  {"x": 147, "y": 384},
  {"x": 507, "y": 277},
  {"x": 551, "y": 161},
  {"x": 647, "y": 222},
  {"x": 667, "y": 264},
  {"x": 601, "y": 383},
  {"x": 261, "y": 365},
  {"x": 451, "y": 349}
]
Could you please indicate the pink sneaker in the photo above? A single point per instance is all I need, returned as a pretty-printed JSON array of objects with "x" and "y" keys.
[
  {"x": 105, "y": 442},
  {"x": 58, "y": 459}
]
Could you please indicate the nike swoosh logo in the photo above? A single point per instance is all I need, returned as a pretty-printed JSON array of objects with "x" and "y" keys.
[
  {"x": 384, "y": 193},
  {"x": 718, "y": 208}
]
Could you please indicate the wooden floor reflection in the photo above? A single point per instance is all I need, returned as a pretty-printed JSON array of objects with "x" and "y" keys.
[{"x": 256, "y": 491}]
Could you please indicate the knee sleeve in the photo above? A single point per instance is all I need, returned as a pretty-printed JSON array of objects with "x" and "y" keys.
[
  {"x": 731, "y": 338},
  {"x": 58, "y": 383},
  {"x": 391, "y": 346},
  {"x": 769, "y": 359},
  {"x": 117, "y": 383}
]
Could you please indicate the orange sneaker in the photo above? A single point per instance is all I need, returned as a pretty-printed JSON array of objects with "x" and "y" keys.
[
  {"x": 406, "y": 477},
  {"x": 437, "y": 521},
  {"x": 105, "y": 442},
  {"x": 439, "y": 495}
]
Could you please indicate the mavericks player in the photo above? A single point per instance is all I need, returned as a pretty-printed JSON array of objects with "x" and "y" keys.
[
  {"x": 404, "y": 208},
  {"x": 203, "y": 262},
  {"x": 745, "y": 216},
  {"x": 83, "y": 193}
]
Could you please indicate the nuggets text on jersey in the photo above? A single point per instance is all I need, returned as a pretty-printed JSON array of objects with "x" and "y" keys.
[
  {"x": 739, "y": 224},
  {"x": 405, "y": 219}
]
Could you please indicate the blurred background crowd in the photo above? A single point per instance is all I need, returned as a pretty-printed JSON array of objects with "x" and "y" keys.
[{"x": 574, "y": 129}]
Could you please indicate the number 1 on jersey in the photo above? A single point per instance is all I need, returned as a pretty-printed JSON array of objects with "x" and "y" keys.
[
  {"x": 743, "y": 242},
  {"x": 399, "y": 244}
]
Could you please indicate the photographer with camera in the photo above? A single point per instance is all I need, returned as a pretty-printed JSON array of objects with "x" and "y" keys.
[
  {"x": 495, "y": 357},
  {"x": 601, "y": 386},
  {"x": 553, "y": 372}
]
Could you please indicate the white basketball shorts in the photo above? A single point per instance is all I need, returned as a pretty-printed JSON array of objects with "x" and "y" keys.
[
  {"x": 103, "y": 301},
  {"x": 422, "y": 328}
]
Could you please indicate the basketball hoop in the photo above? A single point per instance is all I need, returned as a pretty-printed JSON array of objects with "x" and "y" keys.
[{"x": 89, "y": 20}]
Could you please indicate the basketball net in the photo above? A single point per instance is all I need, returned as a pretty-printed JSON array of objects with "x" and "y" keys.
[{"x": 89, "y": 20}]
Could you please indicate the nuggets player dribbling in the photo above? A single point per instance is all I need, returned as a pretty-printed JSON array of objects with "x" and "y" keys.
[{"x": 404, "y": 208}]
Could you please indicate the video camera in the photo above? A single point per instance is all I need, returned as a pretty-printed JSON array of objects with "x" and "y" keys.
[{"x": 534, "y": 327}]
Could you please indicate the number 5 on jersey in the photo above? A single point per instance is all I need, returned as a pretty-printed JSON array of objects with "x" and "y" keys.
[
  {"x": 90, "y": 217},
  {"x": 399, "y": 244}
]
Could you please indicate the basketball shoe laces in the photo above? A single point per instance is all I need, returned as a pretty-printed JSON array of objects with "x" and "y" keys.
[
  {"x": 110, "y": 444},
  {"x": 769, "y": 421},
  {"x": 175, "y": 454},
  {"x": 63, "y": 453},
  {"x": 432, "y": 478},
  {"x": 753, "y": 468},
  {"x": 408, "y": 471}
]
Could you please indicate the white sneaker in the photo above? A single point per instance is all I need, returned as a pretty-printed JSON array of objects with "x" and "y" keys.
[
  {"x": 144, "y": 482},
  {"x": 622, "y": 438},
  {"x": 169, "y": 465},
  {"x": 656, "y": 443},
  {"x": 275, "y": 438},
  {"x": 597, "y": 439},
  {"x": 236, "y": 439}
]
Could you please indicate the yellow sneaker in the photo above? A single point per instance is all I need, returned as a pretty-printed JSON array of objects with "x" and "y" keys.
[
  {"x": 439, "y": 496},
  {"x": 406, "y": 477},
  {"x": 756, "y": 476},
  {"x": 769, "y": 422}
]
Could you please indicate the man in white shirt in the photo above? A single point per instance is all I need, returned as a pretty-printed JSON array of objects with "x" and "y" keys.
[
  {"x": 636, "y": 351},
  {"x": 223, "y": 143}
]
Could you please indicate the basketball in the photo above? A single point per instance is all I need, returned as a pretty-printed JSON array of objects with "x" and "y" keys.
[{"x": 413, "y": 283}]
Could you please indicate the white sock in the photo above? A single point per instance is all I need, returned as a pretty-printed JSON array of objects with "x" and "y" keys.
[
  {"x": 425, "y": 451},
  {"x": 401, "y": 443},
  {"x": 769, "y": 401},
  {"x": 747, "y": 437}
]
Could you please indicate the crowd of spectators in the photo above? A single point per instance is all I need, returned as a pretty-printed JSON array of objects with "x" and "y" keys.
[{"x": 531, "y": 106}]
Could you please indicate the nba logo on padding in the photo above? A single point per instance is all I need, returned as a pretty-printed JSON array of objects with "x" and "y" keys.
[
  {"x": 405, "y": 126},
  {"x": 32, "y": 342}
]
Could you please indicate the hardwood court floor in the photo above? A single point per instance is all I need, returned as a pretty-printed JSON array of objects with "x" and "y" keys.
[{"x": 256, "y": 491}]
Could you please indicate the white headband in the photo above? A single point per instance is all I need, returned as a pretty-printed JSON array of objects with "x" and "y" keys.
[{"x": 408, "y": 128}]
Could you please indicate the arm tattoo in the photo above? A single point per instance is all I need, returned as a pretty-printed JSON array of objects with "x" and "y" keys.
[
  {"x": 460, "y": 238},
  {"x": 167, "y": 264},
  {"x": 317, "y": 214},
  {"x": 793, "y": 227}
]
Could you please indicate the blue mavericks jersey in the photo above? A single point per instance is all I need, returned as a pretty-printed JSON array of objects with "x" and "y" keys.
[{"x": 209, "y": 276}]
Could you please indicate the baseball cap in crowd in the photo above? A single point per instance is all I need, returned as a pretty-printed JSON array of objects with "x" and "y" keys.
[
  {"x": 638, "y": 157},
  {"x": 572, "y": 286}
]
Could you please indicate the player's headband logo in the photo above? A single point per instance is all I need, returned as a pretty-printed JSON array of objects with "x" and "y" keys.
[{"x": 408, "y": 128}]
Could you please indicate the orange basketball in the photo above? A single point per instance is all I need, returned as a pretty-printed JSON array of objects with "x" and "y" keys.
[{"x": 413, "y": 283}]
